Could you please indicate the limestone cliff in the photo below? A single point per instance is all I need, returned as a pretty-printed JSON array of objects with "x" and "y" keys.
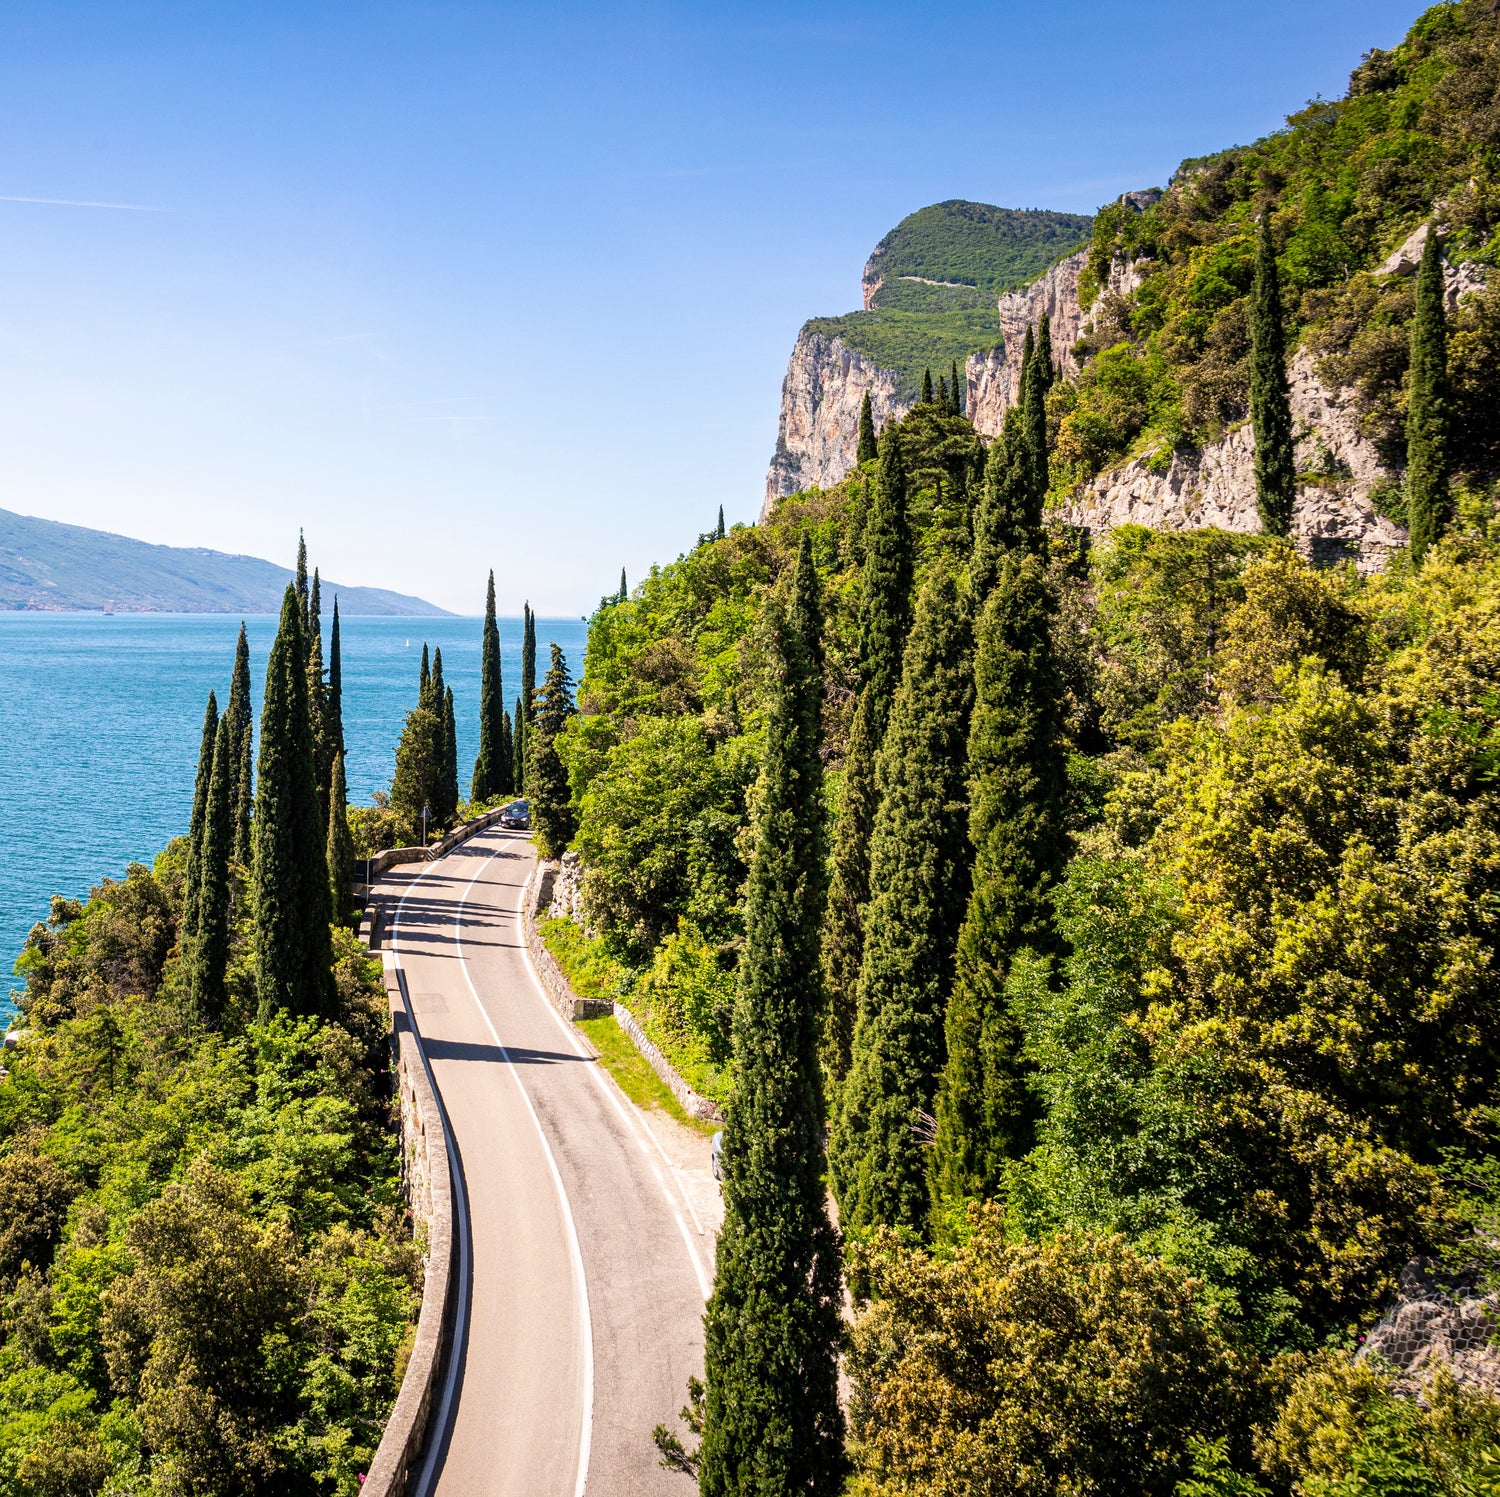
[
  {"x": 818, "y": 431},
  {"x": 1333, "y": 519}
]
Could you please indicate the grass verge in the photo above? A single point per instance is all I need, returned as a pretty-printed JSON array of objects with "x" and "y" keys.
[{"x": 633, "y": 1072}]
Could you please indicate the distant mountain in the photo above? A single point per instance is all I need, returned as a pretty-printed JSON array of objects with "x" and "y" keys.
[{"x": 46, "y": 565}]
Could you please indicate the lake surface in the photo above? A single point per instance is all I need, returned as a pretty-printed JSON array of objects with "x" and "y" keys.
[{"x": 100, "y": 719}]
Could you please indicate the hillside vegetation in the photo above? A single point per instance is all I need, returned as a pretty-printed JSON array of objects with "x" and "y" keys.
[
  {"x": 983, "y": 250},
  {"x": 1345, "y": 183}
]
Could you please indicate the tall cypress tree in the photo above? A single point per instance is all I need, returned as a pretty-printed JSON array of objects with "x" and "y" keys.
[
  {"x": 956, "y": 391},
  {"x": 1429, "y": 505},
  {"x": 315, "y": 607},
  {"x": 448, "y": 784},
  {"x": 1008, "y": 514},
  {"x": 1270, "y": 398},
  {"x": 518, "y": 749},
  {"x": 195, "y": 823},
  {"x": 1044, "y": 351},
  {"x": 317, "y": 706},
  {"x": 293, "y": 955},
  {"x": 1018, "y": 795},
  {"x": 340, "y": 850},
  {"x": 335, "y": 706},
  {"x": 1034, "y": 426},
  {"x": 244, "y": 805},
  {"x": 210, "y": 949},
  {"x": 919, "y": 884},
  {"x": 491, "y": 772},
  {"x": 866, "y": 449},
  {"x": 301, "y": 579},
  {"x": 528, "y": 693},
  {"x": 551, "y": 799},
  {"x": 719, "y": 533},
  {"x": 624, "y": 591},
  {"x": 884, "y": 622},
  {"x": 1028, "y": 348},
  {"x": 772, "y": 1416},
  {"x": 424, "y": 682},
  {"x": 238, "y": 720},
  {"x": 926, "y": 387},
  {"x": 943, "y": 400},
  {"x": 508, "y": 753}
]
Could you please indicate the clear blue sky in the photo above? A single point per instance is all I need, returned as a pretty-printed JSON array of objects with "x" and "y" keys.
[{"x": 455, "y": 286}]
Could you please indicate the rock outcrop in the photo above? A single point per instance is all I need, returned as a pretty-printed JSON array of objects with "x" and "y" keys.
[
  {"x": 1333, "y": 518},
  {"x": 1433, "y": 1323},
  {"x": 818, "y": 434}
]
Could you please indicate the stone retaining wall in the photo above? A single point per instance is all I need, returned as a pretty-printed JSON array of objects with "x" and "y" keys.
[{"x": 692, "y": 1104}]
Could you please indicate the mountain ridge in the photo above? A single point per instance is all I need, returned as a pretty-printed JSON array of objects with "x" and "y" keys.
[{"x": 51, "y": 566}]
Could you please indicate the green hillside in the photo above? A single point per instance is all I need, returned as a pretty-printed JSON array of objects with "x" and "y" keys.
[
  {"x": 964, "y": 255},
  {"x": 984, "y": 247}
]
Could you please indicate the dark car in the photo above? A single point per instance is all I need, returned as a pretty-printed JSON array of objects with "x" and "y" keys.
[{"x": 516, "y": 817}]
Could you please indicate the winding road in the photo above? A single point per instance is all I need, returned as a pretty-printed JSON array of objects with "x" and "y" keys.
[{"x": 585, "y": 1232}]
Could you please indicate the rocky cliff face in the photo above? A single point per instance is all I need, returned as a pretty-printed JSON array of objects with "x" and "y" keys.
[
  {"x": 1333, "y": 518},
  {"x": 818, "y": 433},
  {"x": 994, "y": 377}
]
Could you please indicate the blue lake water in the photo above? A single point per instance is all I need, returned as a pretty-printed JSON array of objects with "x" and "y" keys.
[{"x": 100, "y": 719}]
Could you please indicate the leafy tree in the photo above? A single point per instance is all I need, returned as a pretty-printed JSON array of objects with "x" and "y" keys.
[
  {"x": 293, "y": 958},
  {"x": 199, "y": 815},
  {"x": 491, "y": 771},
  {"x": 865, "y": 449},
  {"x": 919, "y": 883},
  {"x": 1270, "y": 398},
  {"x": 772, "y": 1415},
  {"x": 419, "y": 769},
  {"x": 1074, "y": 1363},
  {"x": 340, "y": 846},
  {"x": 1429, "y": 506},
  {"x": 884, "y": 622},
  {"x": 1017, "y": 824},
  {"x": 552, "y": 813},
  {"x": 211, "y": 940}
]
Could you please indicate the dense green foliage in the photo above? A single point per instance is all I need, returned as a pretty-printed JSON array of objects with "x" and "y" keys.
[
  {"x": 204, "y": 1279},
  {"x": 772, "y": 1416},
  {"x": 1428, "y": 503},
  {"x": 1270, "y": 396},
  {"x": 199, "y": 812},
  {"x": 1343, "y": 185},
  {"x": 987, "y": 248},
  {"x": 551, "y": 800},
  {"x": 907, "y": 342}
]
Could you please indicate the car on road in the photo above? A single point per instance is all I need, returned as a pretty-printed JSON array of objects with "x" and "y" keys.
[
  {"x": 715, "y": 1148},
  {"x": 516, "y": 817}
]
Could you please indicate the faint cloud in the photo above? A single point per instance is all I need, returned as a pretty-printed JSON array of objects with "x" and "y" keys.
[{"x": 6, "y": 197}]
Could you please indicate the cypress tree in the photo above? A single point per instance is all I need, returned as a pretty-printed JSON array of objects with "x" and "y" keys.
[
  {"x": 528, "y": 693},
  {"x": 315, "y": 607},
  {"x": 244, "y": 804},
  {"x": 195, "y": 823},
  {"x": 956, "y": 391},
  {"x": 293, "y": 955},
  {"x": 719, "y": 534},
  {"x": 624, "y": 591},
  {"x": 1429, "y": 505},
  {"x": 448, "y": 809},
  {"x": 1018, "y": 795},
  {"x": 884, "y": 622},
  {"x": 926, "y": 387},
  {"x": 238, "y": 719},
  {"x": 551, "y": 799},
  {"x": 1044, "y": 351},
  {"x": 335, "y": 684},
  {"x": 772, "y": 1417},
  {"x": 518, "y": 749},
  {"x": 1028, "y": 348},
  {"x": 919, "y": 883},
  {"x": 340, "y": 851},
  {"x": 1034, "y": 426},
  {"x": 1008, "y": 514},
  {"x": 302, "y": 573},
  {"x": 210, "y": 950},
  {"x": 866, "y": 450},
  {"x": 943, "y": 401},
  {"x": 317, "y": 708},
  {"x": 491, "y": 772},
  {"x": 424, "y": 682},
  {"x": 1270, "y": 399},
  {"x": 507, "y": 753}
]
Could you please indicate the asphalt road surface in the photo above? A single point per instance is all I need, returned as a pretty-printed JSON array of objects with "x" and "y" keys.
[{"x": 584, "y": 1262}]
